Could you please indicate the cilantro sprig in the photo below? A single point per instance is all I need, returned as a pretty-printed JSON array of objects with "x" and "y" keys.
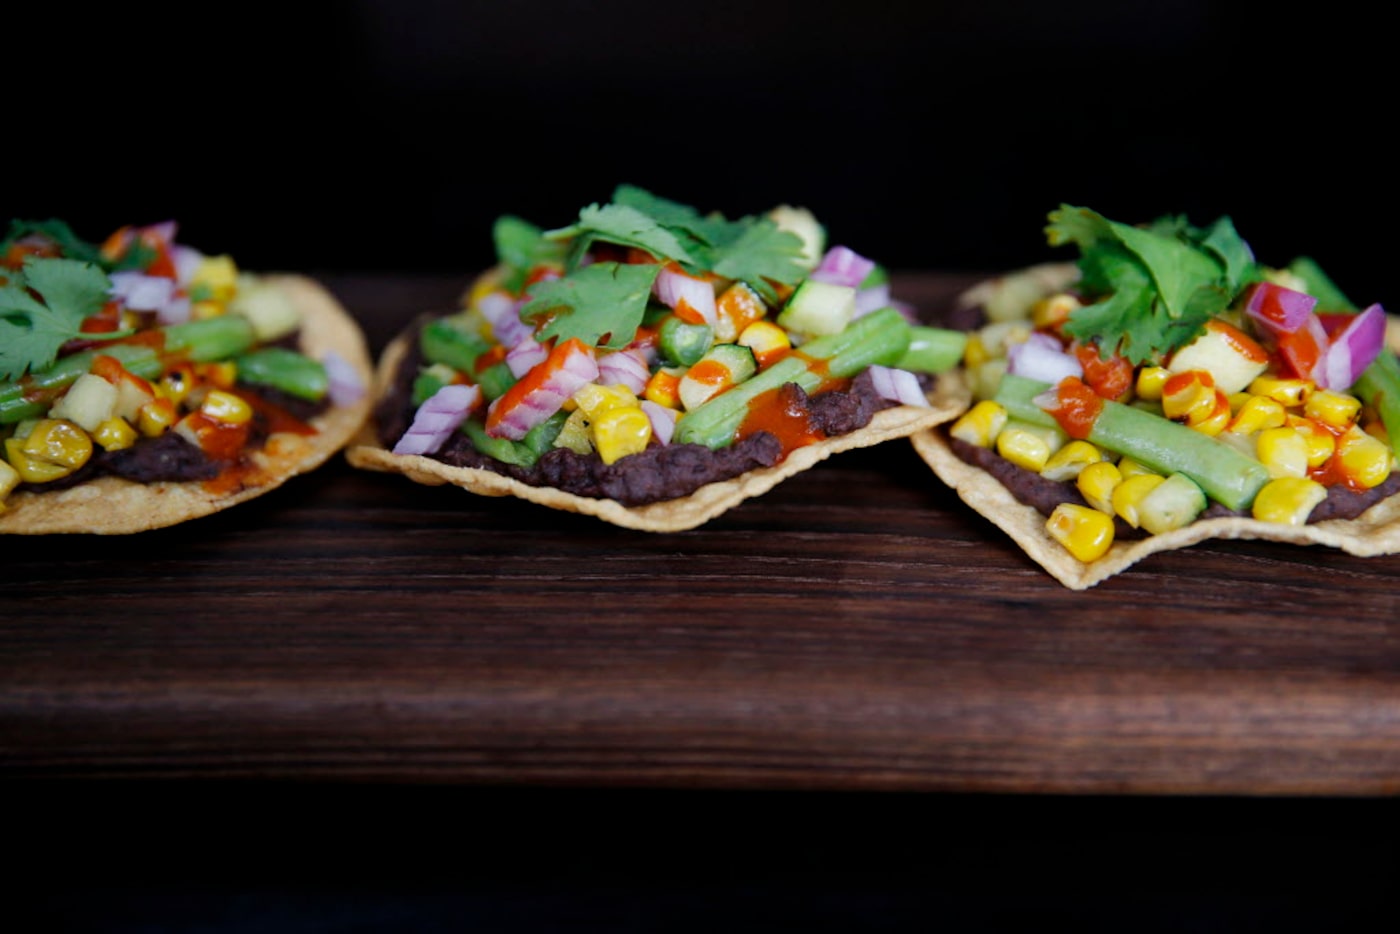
[
  {"x": 1153, "y": 288},
  {"x": 42, "y": 307},
  {"x": 601, "y": 304}
]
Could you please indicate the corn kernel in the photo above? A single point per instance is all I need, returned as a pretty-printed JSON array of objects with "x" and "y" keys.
[
  {"x": 9, "y": 479},
  {"x": 975, "y": 352},
  {"x": 1320, "y": 442},
  {"x": 1068, "y": 461},
  {"x": 1189, "y": 396},
  {"x": 1052, "y": 311},
  {"x": 1288, "y": 392},
  {"x": 177, "y": 383},
  {"x": 767, "y": 341},
  {"x": 1258, "y": 413},
  {"x": 619, "y": 431},
  {"x": 1096, "y": 483},
  {"x": 1150, "y": 381},
  {"x": 1284, "y": 451},
  {"x": 1332, "y": 408},
  {"x": 52, "y": 449},
  {"x": 980, "y": 424},
  {"x": 226, "y": 407},
  {"x": 155, "y": 417},
  {"x": 1128, "y": 496},
  {"x": 1288, "y": 500},
  {"x": 663, "y": 387},
  {"x": 1219, "y": 418},
  {"x": 222, "y": 374},
  {"x": 115, "y": 434},
  {"x": 1128, "y": 467},
  {"x": 1086, "y": 533},
  {"x": 217, "y": 275},
  {"x": 736, "y": 308},
  {"x": 202, "y": 311},
  {"x": 1023, "y": 448},
  {"x": 1363, "y": 459},
  {"x": 594, "y": 399}
]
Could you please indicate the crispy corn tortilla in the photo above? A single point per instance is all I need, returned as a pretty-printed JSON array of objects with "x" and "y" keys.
[
  {"x": 114, "y": 506},
  {"x": 1374, "y": 532},
  {"x": 673, "y": 515}
]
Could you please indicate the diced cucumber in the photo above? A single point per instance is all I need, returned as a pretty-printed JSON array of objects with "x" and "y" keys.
[
  {"x": 684, "y": 343},
  {"x": 725, "y": 365},
  {"x": 818, "y": 308},
  {"x": 1173, "y": 503}
]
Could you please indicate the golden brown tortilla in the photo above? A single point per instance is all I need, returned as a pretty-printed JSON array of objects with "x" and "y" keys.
[
  {"x": 1374, "y": 532},
  {"x": 114, "y": 506},
  {"x": 671, "y": 515}
]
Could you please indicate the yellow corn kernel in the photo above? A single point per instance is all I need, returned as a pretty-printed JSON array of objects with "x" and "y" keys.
[
  {"x": 155, "y": 417},
  {"x": 1363, "y": 459},
  {"x": 1320, "y": 442},
  {"x": 1150, "y": 380},
  {"x": 619, "y": 431},
  {"x": 115, "y": 434},
  {"x": 1023, "y": 448},
  {"x": 1086, "y": 533},
  {"x": 1128, "y": 496},
  {"x": 767, "y": 341},
  {"x": 1287, "y": 392},
  {"x": 1218, "y": 419},
  {"x": 975, "y": 352},
  {"x": 222, "y": 374},
  {"x": 9, "y": 479},
  {"x": 1128, "y": 467},
  {"x": 54, "y": 448},
  {"x": 217, "y": 276},
  {"x": 1096, "y": 484},
  {"x": 226, "y": 407},
  {"x": 1284, "y": 451},
  {"x": 176, "y": 384},
  {"x": 1068, "y": 461},
  {"x": 1288, "y": 500},
  {"x": 31, "y": 470},
  {"x": 594, "y": 399},
  {"x": 1052, "y": 311},
  {"x": 664, "y": 387},
  {"x": 1257, "y": 413},
  {"x": 1332, "y": 408},
  {"x": 575, "y": 434},
  {"x": 735, "y": 309},
  {"x": 980, "y": 424},
  {"x": 201, "y": 311},
  {"x": 1189, "y": 397}
]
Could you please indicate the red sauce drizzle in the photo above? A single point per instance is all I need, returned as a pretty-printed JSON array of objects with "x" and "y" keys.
[
  {"x": 1077, "y": 407},
  {"x": 781, "y": 412}
]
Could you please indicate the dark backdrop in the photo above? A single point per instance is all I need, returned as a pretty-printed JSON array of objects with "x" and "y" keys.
[{"x": 387, "y": 134}]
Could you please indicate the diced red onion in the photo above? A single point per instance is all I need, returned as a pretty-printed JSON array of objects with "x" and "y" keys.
[
  {"x": 437, "y": 418},
  {"x": 897, "y": 385},
  {"x": 843, "y": 266},
  {"x": 140, "y": 292},
  {"x": 186, "y": 260},
  {"x": 872, "y": 299},
  {"x": 623, "y": 368},
  {"x": 1041, "y": 358},
  {"x": 673, "y": 286},
  {"x": 1276, "y": 308},
  {"x": 525, "y": 356},
  {"x": 663, "y": 420},
  {"x": 577, "y": 369},
  {"x": 344, "y": 383},
  {"x": 503, "y": 314},
  {"x": 1352, "y": 350}
]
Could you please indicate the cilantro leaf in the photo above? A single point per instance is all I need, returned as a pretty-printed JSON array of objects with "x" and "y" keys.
[
  {"x": 625, "y": 226},
  {"x": 1155, "y": 286},
  {"x": 69, "y": 243},
  {"x": 33, "y": 330},
  {"x": 760, "y": 255},
  {"x": 601, "y": 304},
  {"x": 520, "y": 247}
]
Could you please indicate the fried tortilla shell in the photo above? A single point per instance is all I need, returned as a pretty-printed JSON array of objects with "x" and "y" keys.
[
  {"x": 1375, "y": 532},
  {"x": 114, "y": 506},
  {"x": 673, "y": 515}
]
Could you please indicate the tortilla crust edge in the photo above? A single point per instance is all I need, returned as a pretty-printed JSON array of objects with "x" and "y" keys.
[
  {"x": 114, "y": 506},
  {"x": 1375, "y": 532},
  {"x": 948, "y": 401}
]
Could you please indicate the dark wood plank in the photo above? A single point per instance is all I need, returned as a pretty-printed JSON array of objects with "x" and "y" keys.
[{"x": 857, "y": 627}]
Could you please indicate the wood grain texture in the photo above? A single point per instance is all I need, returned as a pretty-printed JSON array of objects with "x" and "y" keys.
[{"x": 855, "y": 628}]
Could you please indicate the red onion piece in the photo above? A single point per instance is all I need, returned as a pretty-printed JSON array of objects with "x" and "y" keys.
[
  {"x": 1041, "y": 358},
  {"x": 503, "y": 314},
  {"x": 1276, "y": 308},
  {"x": 897, "y": 385},
  {"x": 186, "y": 260},
  {"x": 1352, "y": 350},
  {"x": 345, "y": 385},
  {"x": 673, "y": 286},
  {"x": 623, "y": 368},
  {"x": 843, "y": 266},
  {"x": 140, "y": 292},
  {"x": 440, "y": 414},
  {"x": 574, "y": 369},
  {"x": 525, "y": 356},
  {"x": 663, "y": 420},
  {"x": 872, "y": 299}
]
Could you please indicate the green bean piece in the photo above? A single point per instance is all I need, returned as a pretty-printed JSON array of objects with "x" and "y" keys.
[
  {"x": 286, "y": 370},
  {"x": 31, "y": 396},
  {"x": 209, "y": 339},
  {"x": 442, "y": 341},
  {"x": 933, "y": 350}
]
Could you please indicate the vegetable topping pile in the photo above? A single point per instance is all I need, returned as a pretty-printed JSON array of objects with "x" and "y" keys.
[
  {"x": 1174, "y": 375},
  {"x": 646, "y": 323},
  {"x": 142, "y": 343}
]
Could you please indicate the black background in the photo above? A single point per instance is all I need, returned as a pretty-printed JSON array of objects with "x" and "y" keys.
[{"x": 386, "y": 136}]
